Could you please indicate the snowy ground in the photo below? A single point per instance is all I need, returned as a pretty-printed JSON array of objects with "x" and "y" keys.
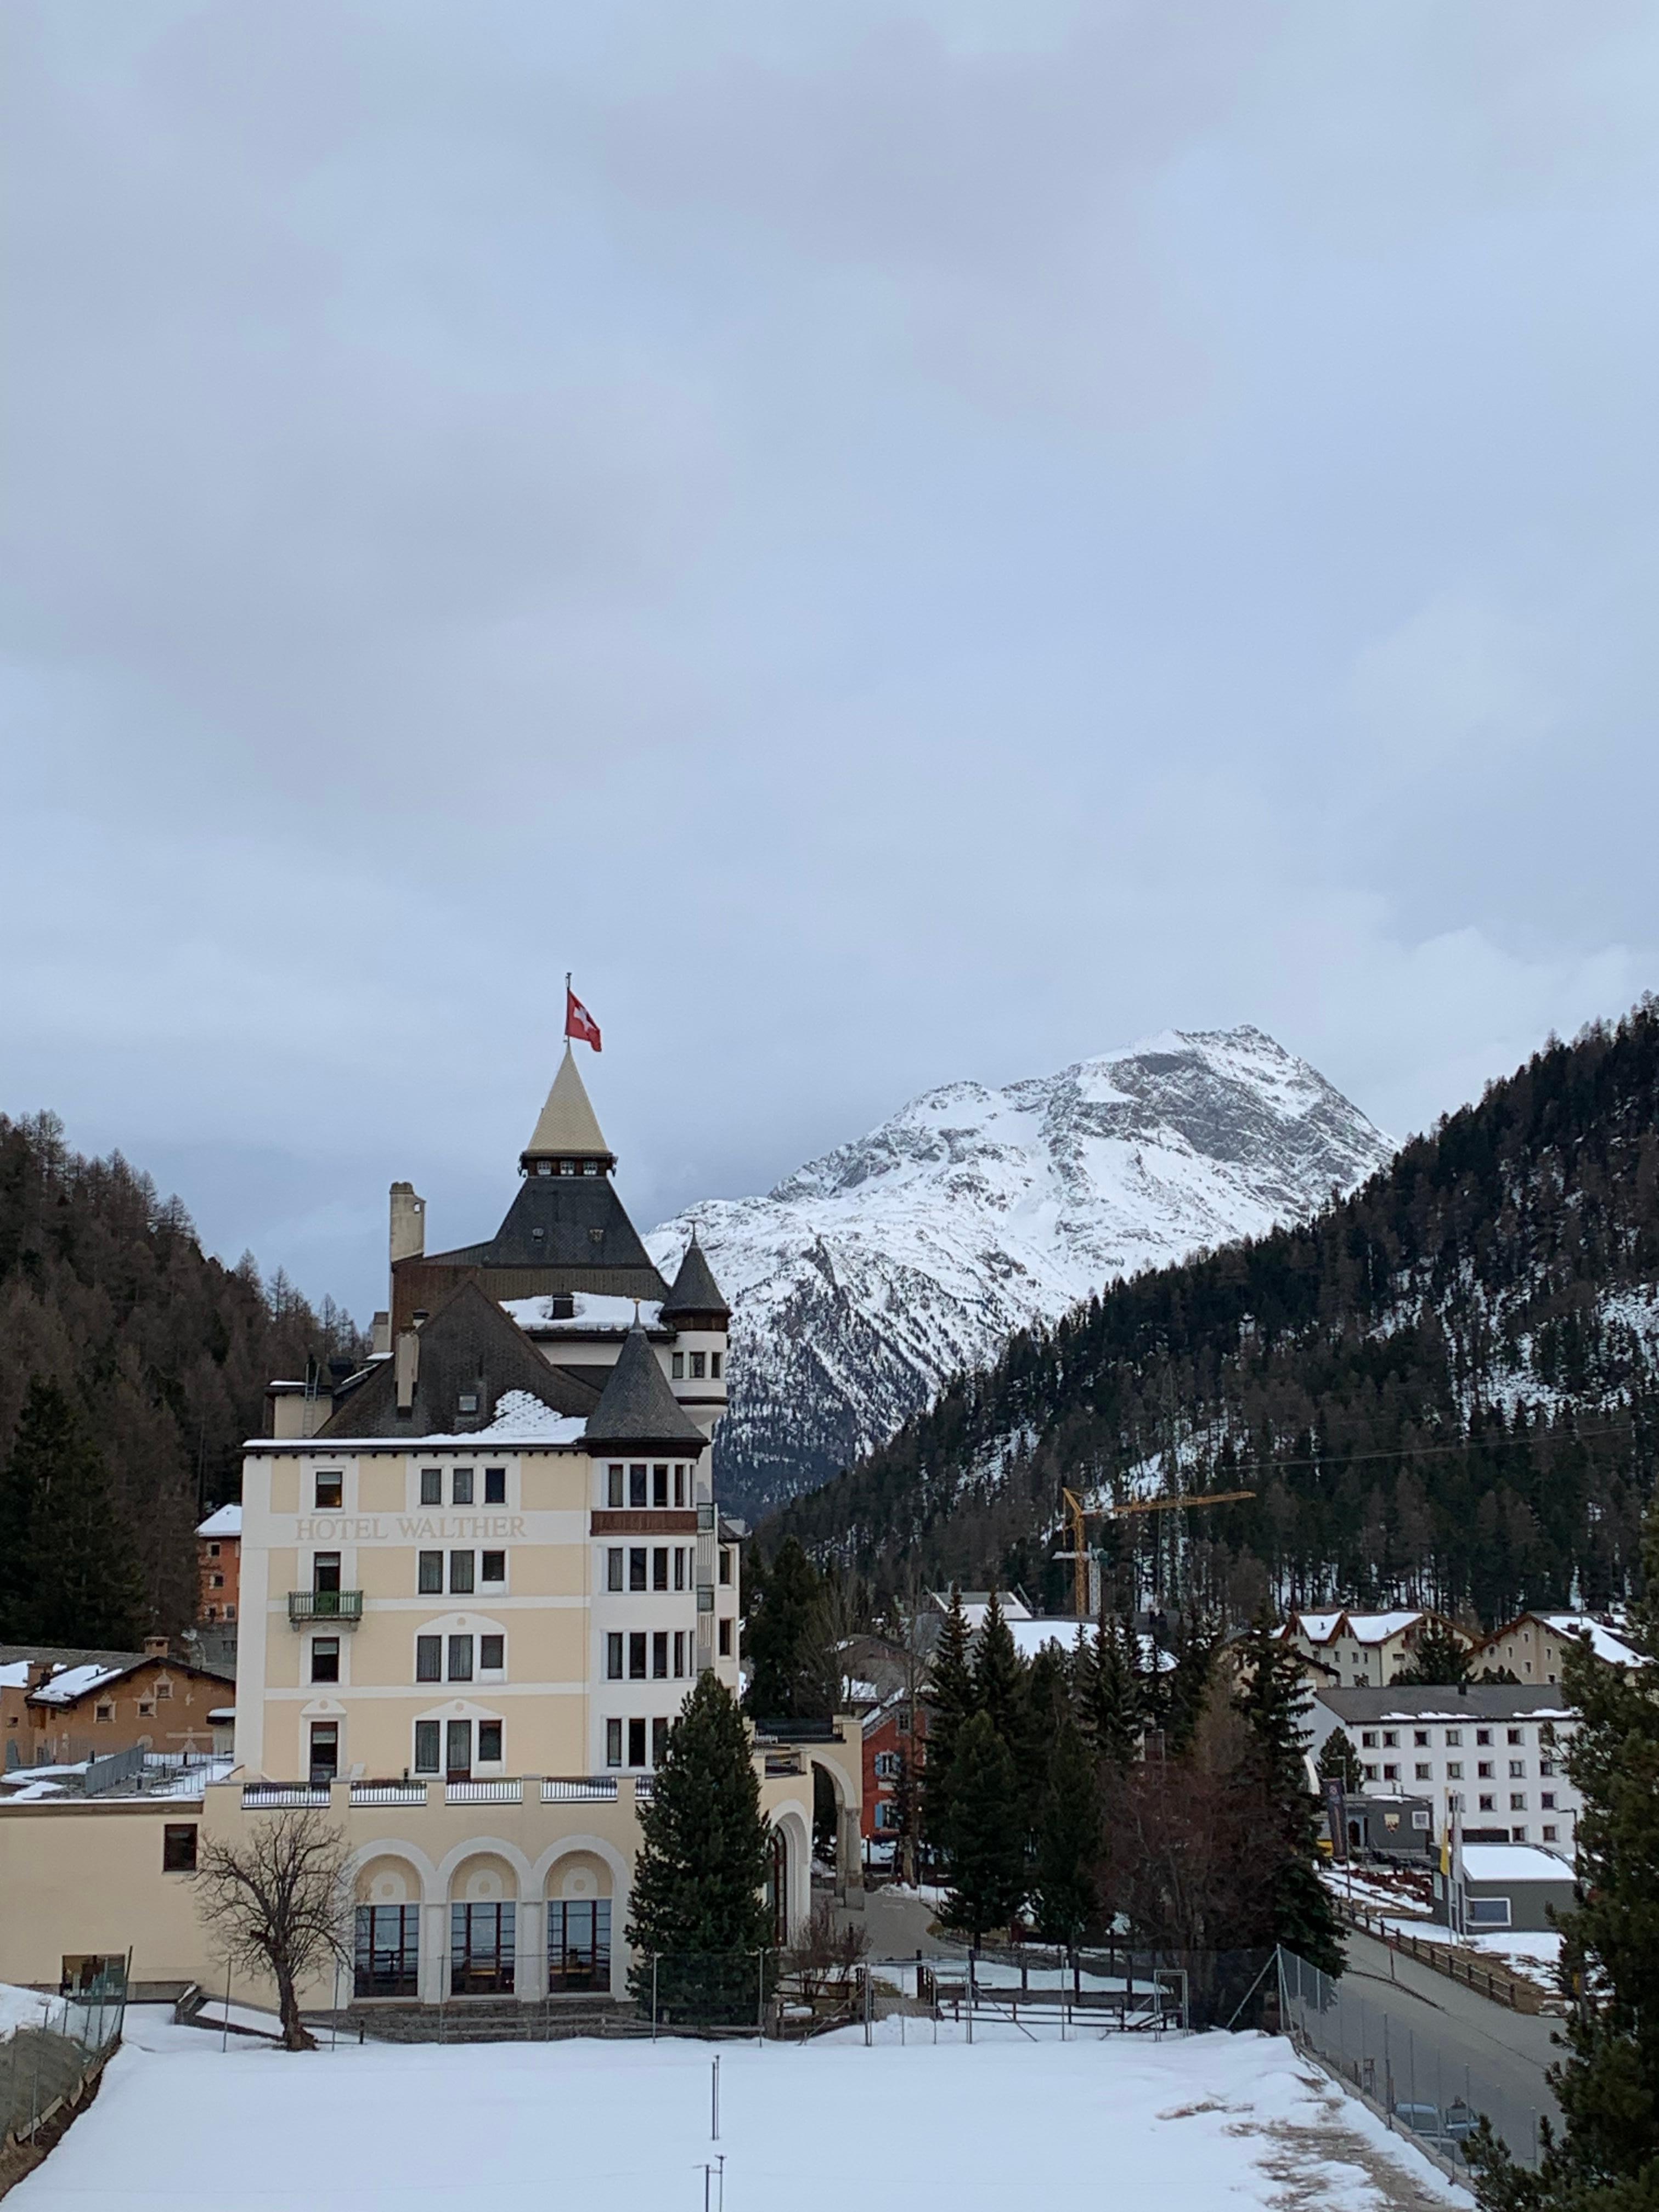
[
  {"x": 21, "y": 2008},
  {"x": 1189, "y": 2123}
]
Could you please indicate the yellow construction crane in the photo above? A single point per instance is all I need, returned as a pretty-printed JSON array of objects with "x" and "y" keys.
[{"x": 1079, "y": 1516}]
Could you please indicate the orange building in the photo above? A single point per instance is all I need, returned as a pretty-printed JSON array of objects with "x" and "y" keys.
[
  {"x": 155, "y": 1703},
  {"x": 219, "y": 1556}
]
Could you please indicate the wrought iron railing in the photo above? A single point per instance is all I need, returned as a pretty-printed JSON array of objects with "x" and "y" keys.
[{"x": 306, "y": 1608}]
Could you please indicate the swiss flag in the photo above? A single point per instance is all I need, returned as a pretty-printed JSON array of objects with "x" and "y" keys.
[{"x": 578, "y": 1022}]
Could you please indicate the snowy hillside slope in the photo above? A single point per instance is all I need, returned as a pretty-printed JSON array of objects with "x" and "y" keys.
[{"x": 868, "y": 1276}]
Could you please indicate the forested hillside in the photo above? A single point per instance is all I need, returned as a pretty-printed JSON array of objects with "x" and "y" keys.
[
  {"x": 1442, "y": 1389},
  {"x": 161, "y": 1353}
]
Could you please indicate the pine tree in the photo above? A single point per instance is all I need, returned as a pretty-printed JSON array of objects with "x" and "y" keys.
[
  {"x": 1112, "y": 1701},
  {"x": 952, "y": 1702},
  {"x": 1340, "y": 1762},
  {"x": 1184, "y": 1689},
  {"x": 1607, "y": 2158},
  {"x": 785, "y": 1681},
  {"x": 987, "y": 1835},
  {"x": 698, "y": 1904},
  {"x": 1438, "y": 1659},
  {"x": 75, "y": 1579},
  {"x": 1270, "y": 1697},
  {"x": 1045, "y": 1705},
  {"x": 999, "y": 1675},
  {"x": 1068, "y": 1843}
]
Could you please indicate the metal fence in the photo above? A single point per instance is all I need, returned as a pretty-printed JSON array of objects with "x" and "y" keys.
[
  {"x": 1419, "y": 2076},
  {"x": 44, "y": 2066}
]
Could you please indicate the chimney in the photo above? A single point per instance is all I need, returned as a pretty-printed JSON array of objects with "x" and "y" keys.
[
  {"x": 156, "y": 1646},
  {"x": 407, "y": 1367},
  {"x": 408, "y": 1223},
  {"x": 40, "y": 1673},
  {"x": 382, "y": 1339}
]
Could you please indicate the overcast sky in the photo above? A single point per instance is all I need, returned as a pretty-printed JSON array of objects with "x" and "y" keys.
[{"x": 899, "y": 542}]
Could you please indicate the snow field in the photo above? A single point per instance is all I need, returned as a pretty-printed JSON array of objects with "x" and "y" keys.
[
  {"x": 22, "y": 2008},
  {"x": 1189, "y": 2124}
]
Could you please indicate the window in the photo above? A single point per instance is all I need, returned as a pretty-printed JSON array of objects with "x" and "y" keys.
[
  {"x": 324, "y": 1574},
  {"x": 1551, "y": 1835},
  {"x": 698, "y": 1363},
  {"x": 330, "y": 1492},
  {"x": 679, "y": 1653},
  {"x": 1488, "y": 1911},
  {"x": 726, "y": 1565},
  {"x": 658, "y": 1742},
  {"x": 431, "y": 1574},
  {"x": 659, "y": 1486},
  {"x": 324, "y": 1658},
  {"x": 613, "y": 1743},
  {"x": 1483, "y": 1768},
  {"x": 1390, "y": 1739},
  {"x": 146, "y": 1708},
  {"x": 679, "y": 1485},
  {"x": 425, "y": 1747},
  {"x": 887, "y": 1814},
  {"x": 216, "y": 1582},
  {"x": 179, "y": 1847},
  {"x": 492, "y": 1567},
  {"x": 1423, "y": 1771},
  {"x": 457, "y": 1749},
  {"x": 613, "y": 1657},
  {"x": 460, "y": 1571},
  {"x": 715, "y": 1365},
  {"x": 387, "y": 1951},
  {"x": 705, "y": 1597},
  {"x": 230, "y": 1613},
  {"x": 679, "y": 1369},
  {"x": 432, "y": 1486},
  {"x": 1514, "y": 1736},
  {"x": 1454, "y": 1770},
  {"x": 461, "y": 1489},
  {"x": 579, "y": 1943},
  {"x": 637, "y": 1567},
  {"x": 613, "y": 1568},
  {"x": 1488, "y": 1804},
  {"x": 726, "y": 1638},
  {"x": 679, "y": 1566},
  {"x": 213, "y": 1551},
  {"x": 1420, "y": 1738},
  {"x": 489, "y": 1743},
  {"x": 1391, "y": 1773},
  {"x": 1548, "y": 1800},
  {"x": 428, "y": 1658},
  {"x": 492, "y": 1655},
  {"x": 613, "y": 1488},
  {"x": 325, "y": 1750},
  {"x": 483, "y": 1940},
  {"x": 164, "y": 1691},
  {"x": 1454, "y": 1737},
  {"x": 659, "y": 1655},
  {"x": 1517, "y": 1770},
  {"x": 636, "y": 1743},
  {"x": 467, "y": 1402},
  {"x": 1455, "y": 1800},
  {"x": 104, "y": 1712},
  {"x": 637, "y": 1657},
  {"x": 659, "y": 1568},
  {"x": 1517, "y": 1800},
  {"x": 636, "y": 1492},
  {"x": 460, "y": 1658},
  {"x": 1546, "y": 1767},
  {"x": 494, "y": 1486},
  {"x": 1483, "y": 1736},
  {"x": 1368, "y": 1738},
  {"x": 887, "y": 1766}
]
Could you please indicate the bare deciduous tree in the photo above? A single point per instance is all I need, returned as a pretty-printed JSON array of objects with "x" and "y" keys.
[{"x": 275, "y": 1906}]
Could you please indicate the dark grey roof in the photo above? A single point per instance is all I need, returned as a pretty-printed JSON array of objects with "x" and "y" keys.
[
  {"x": 468, "y": 1344},
  {"x": 1486, "y": 1701},
  {"x": 583, "y": 1226},
  {"x": 695, "y": 1288},
  {"x": 638, "y": 1408}
]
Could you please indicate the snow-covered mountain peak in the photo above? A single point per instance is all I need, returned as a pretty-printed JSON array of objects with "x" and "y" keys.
[{"x": 868, "y": 1275}]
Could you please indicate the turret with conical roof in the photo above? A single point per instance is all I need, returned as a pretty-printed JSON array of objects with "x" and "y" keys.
[
  {"x": 636, "y": 1406},
  {"x": 567, "y": 1136},
  {"x": 695, "y": 1297}
]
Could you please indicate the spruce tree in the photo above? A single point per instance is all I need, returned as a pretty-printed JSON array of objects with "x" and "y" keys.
[
  {"x": 74, "y": 1578},
  {"x": 1270, "y": 1697},
  {"x": 1045, "y": 1705},
  {"x": 1112, "y": 1701},
  {"x": 1184, "y": 1689},
  {"x": 1340, "y": 1762},
  {"x": 1068, "y": 1843},
  {"x": 952, "y": 1702},
  {"x": 1438, "y": 1659},
  {"x": 999, "y": 1675},
  {"x": 784, "y": 1683},
  {"x": 1606, "y": 2160},
  {"x": 986, "y": 1834},
  {"x": 698, "y": 1903}
]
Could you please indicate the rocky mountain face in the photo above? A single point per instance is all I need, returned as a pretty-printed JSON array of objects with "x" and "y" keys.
[{"x": 868, "y": 1277}]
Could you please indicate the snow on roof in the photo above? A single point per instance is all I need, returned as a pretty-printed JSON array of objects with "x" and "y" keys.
[
  {"x": 519, "y": 1413},
  {"x": 1513, "y": 1863},
  {"x": 227, "y": 1522},
  {"x": 1607, "y": 1643},
  {"x": 1030, "y": 1636},
  {"x": 222, "y": 1713},
  {"x": 15, "y": 1675},
  {"x": 592, "y": 1312},
  {"x": 70, "y": 1683},
  {"x": 1364, "y": 1627}
]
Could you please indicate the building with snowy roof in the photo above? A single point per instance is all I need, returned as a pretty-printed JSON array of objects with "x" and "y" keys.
[
  {"x": 218, "y": 1566},
  {"x": 1504, "y": 1886},
  {"x": 1534, "y": 1646},
  {"x": 1367, "y": 1649}
]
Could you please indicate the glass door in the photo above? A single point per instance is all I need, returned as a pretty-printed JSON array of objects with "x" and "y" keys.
[
  {"x": 458, "y": 1750},
  {"x": 388, "y": 1951},
  {"x": 579, "y": 1943},
  {"x": 481, "y": 1947}
]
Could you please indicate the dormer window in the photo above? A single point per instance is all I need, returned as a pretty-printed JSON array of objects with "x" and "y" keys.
[
  {"x": 567, "y": 1167},
  {"x": 537, "y": 1236},
  {"x": 543, "y": 1167},
  {"x": 468, "y": 1402},
  {"x": 589, "y": 1167}
]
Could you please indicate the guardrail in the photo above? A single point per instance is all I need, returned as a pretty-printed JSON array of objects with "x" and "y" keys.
[
  {"x": 306, "y": 1609},
  {"x": 1496, "y": 1982},
  {"x": 580, "y": 1789},
  {"x": 483, "y": 1793},
  {"x": 388, "y": 1793},
  {"x": 265, "y": 1796}
]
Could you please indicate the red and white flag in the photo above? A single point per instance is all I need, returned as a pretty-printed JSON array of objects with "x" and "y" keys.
[{"x": 578, "y": 1022}]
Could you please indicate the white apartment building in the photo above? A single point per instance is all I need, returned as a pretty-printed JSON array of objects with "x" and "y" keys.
[{"x": 1494, "y": 1755}]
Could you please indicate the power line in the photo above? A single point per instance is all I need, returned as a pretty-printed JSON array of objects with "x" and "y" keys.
[{"x": 1418, "y": 1451}]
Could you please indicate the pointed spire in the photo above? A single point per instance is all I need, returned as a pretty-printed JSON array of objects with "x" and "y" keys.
[
  {"x": 695, "y": 1290},
  {"x": 636, "y": 1406},
  {"x": 568, "y": 1128}
]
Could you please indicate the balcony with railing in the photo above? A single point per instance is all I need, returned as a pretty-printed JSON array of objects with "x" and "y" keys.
[{"x": 331, "y": 1608}]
